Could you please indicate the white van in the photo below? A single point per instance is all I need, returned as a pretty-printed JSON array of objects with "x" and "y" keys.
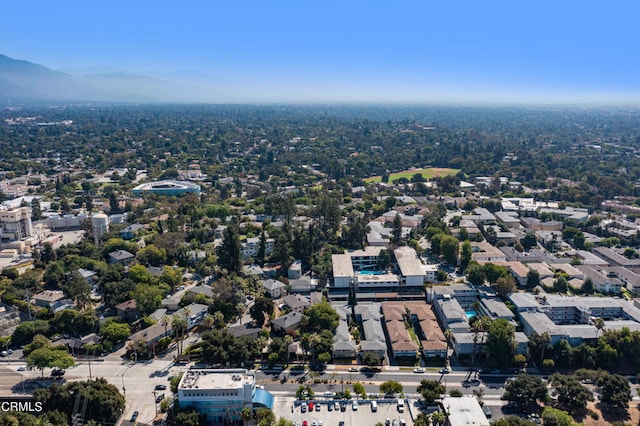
[
  {"x": 400, "y": 405},
  {"x": 374, "y": 406}
]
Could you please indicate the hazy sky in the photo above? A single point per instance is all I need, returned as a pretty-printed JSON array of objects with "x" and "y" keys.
[{"x": 424, "y": 50}]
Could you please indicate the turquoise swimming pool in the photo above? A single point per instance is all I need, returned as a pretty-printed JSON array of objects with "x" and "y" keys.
[
  {"x": 470, "y": 314},
  {"x": 365, "y": 272}
]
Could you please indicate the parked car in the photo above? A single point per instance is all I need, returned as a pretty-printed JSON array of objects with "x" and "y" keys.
[
  {"x": 487, "y": 411},
  {"x": 134, "y": 417},
  {"x": 354, "y": 405},
  {"x": 353, "y": 369},
  {"x": 418, "y": 370},
  {"x": 161, "y": 387},
  {"x": 444, "y": 370},
  {"x": 303, "y": 407}
]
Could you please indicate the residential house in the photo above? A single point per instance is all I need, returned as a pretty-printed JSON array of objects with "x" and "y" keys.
[
  {"x": 287, "y": 323},
  {"x": 121, "y": 257},
  {"x": 128, "y": 311},
  {"x": 47, "y": 298},
  {"x": 295, "y": 270},
  {"x": 296, "y": 303},
  {"x": 274, "y": 288}
]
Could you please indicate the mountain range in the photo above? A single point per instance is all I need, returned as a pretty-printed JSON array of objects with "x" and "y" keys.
[{"x": 25, "y": 82}]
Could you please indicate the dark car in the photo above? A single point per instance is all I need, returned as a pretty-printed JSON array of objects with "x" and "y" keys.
[
  {"x": 134, "y": 416},
  {"x": 57, "y": 373},
  {"x": 161, "y": 387}
]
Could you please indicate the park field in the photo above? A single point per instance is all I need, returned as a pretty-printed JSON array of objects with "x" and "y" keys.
[{"x": 427, "y": 173}]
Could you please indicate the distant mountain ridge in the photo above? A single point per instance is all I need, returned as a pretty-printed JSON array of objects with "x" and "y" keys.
[{"x": 24, "y": 81}]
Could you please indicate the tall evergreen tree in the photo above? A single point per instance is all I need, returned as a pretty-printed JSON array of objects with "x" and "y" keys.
[
  {"x": 262, "y": 249},
  {"x": 36, "y": 209},
  {"x": 396, "y": 231},
  {"x": 229, "y": 253},
  {"x": 466, "y": 252}
]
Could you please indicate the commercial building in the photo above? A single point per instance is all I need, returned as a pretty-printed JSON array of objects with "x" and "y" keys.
[
  {"x": 167, "y": 187},
  {"x": 100, "y": 225},
  {"x": 464, "y": 411},
  {"x": 15, "y": 224},
  {"x": 221, "y": 395}
]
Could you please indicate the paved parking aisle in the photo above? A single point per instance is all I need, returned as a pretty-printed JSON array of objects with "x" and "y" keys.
[{"x": 362, "y": 415}]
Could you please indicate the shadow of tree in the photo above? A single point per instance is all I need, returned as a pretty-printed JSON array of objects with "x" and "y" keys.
[
  {"x": 29, "y": 385},
  {"x": 611, "y": 413}
]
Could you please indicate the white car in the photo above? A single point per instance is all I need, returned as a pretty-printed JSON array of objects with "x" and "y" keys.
[
  {"x": 354, "y": 406},
  {"x": 418, "y": 370},
  {"x": 444, "y": 371}
]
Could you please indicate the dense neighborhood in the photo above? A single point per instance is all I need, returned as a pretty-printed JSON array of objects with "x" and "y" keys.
[{"x": 242, "y": 261}]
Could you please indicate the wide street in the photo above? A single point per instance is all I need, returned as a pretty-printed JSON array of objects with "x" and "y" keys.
[{"x": 138, "y": 380}]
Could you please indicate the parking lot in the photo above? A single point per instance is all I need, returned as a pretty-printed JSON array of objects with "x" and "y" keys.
[{"x": 362, "y": 415}]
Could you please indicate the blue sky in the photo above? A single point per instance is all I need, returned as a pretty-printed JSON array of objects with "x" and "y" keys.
[{"x": 416, "y": 51}]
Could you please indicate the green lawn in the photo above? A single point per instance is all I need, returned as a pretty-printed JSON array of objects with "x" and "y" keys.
[{"x": 427, "y": 173}]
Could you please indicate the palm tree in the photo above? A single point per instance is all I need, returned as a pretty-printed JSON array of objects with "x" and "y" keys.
[
  {"x": 187, "y": 317},
  {"x": 218, "y": 318},
  {"x": 288, "y": 340},
  {"x": 208, "y": 321},
  {"x": 166, "y": 322},
  {"x": 179, "y": 325},
  {"x": 247, "y": 415},
  {"x": 545, "y": 341},
  {"x": 599, "y": 323},
  {"x": 448, "y": 334}
]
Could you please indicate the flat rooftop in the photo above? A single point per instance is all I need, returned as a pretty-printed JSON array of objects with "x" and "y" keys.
[
  {"x": 408, "y": 261},
  {"x": 342, "y": 266},
  {"x": 216, "y": 379}
]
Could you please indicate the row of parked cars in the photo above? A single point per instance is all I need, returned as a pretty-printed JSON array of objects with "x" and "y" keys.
[{"x": 337, "y": 405}]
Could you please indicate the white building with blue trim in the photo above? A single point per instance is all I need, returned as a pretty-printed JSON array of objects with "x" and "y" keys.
[{"x": 222, "y": 394}]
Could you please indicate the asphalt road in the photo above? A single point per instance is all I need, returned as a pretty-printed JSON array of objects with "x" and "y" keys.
[{"x": 138, "y": 380}]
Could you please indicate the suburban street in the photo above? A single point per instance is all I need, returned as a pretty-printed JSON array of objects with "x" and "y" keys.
[{"x": 138, "y": 380}]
